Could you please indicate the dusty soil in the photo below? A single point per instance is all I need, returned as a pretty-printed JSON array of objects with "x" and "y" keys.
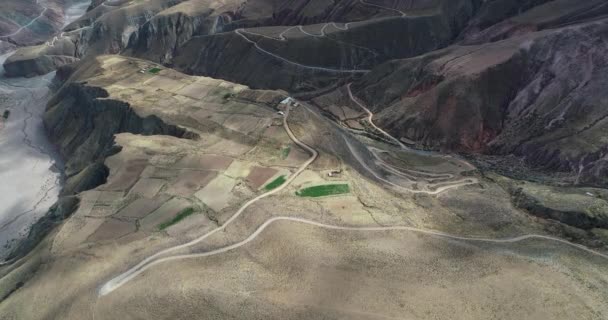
[
  {"x": 291, "y": 269},
  {"x": 259, "y": 176}
]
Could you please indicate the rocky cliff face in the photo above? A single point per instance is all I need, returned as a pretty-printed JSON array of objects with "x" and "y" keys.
[
  {"x": 83, "y": 124},
  {"x": 42, "y": 59},
  {"x": 160, "y": 37}
]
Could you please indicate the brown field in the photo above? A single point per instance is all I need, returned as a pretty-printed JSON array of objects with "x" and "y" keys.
[
  {"x": 188, "y": 182},
  {"x": 112, "y": 229},
  {"x": 194, "y": 91},
  {"x": 102, "y": 211},
  {"x": 355, "y": 124},
  {"x": 147, "y": 188},
  {"x": 141, "y": 207},
  {"x": 166, "y": 212},
  {"x": 343, "y": 112},
  {"x": 204, "y": 162},
  {"x": 259, "y": 176},
  {"x": 126, "y": 176},
  {"x": 160, "y": 173},
  {"x": 244, "y": 124},
  {"x": 166, "y": 83}
]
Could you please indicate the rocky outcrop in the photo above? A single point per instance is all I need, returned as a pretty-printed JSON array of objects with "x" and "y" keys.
[
  {"x": 82, "y": 123},
  {"x": 36, "y": 66},
  {"x": 159, "y": 38},
  {"x": 39, "y": 60},
  {"x": 60, "y": 211},
  {"x": 591, "y": 216},
  {"x": 583, "y": 208}
]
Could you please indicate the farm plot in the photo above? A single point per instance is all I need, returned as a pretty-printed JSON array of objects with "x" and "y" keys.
[{"x": 324, "y": 190}]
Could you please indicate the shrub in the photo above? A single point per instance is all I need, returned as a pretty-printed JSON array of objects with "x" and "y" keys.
[{"x": 179, "y": 217}]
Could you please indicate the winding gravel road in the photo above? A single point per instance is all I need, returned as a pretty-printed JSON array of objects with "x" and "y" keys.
[
  {"x": 281, "y": 37},
  {"x": 370, "y": 120},
  {"x": 241, "y": 32},
  {"x": 403, "y": 14},
  {"x": 346, "y": 26}
]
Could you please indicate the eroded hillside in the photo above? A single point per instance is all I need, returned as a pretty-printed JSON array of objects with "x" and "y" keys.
[{"x": 348, "y": 159}]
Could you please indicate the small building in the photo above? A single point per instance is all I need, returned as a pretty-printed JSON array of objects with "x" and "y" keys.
[
  {"x": 334, "y": 173},
  {"x": 288, "y": 101}
]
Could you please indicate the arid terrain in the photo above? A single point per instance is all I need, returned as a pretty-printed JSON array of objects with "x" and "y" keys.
[{"x": 352, "y": 159}]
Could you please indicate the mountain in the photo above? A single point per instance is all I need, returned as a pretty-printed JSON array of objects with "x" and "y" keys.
[
  {"x": 313, "y": 159},
  {"x": 28, "y": 22},
  {"x": 528, "y": 86},
  {"x": 485, "y": 64}
]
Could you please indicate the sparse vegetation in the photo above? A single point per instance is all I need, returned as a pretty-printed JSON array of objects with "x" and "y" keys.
[
  {"x": 324, "y": 190},
  {"x": 275, "y": 183},
  {"x": 285, "y": 152},
  {"x": 154, "y": 70},
  {"x": 179, "y": 217},
  {"x": 6, "y": 114}
]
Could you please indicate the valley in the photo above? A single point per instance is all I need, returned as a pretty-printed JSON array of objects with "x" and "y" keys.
[
  {"x": 33, "y": 183},
  {"x": 309, "y": 160}
]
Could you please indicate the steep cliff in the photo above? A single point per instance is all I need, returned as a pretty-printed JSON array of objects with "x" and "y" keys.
[
  {"x": 42, "y": 59},
  {"x": 82, "y": 123}
]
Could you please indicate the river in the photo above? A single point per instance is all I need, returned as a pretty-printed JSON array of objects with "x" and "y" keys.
[{"x": 30, "y": 169}]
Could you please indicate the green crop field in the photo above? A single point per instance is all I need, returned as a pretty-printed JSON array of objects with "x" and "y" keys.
[
  {"x": 324, "y": 190},
  {"x": 275, "y": 183},
  {"x": 154, "y": 70},
  {"x": 179, "y": 217}
]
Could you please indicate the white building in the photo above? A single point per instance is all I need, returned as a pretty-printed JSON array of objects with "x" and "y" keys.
[{"x": 288, "y": 100}]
